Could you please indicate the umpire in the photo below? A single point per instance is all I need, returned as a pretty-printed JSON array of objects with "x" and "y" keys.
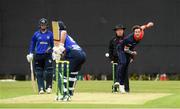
[{"x": 113, "y": 55}]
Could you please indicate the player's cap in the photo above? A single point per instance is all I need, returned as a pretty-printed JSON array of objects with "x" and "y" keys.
[
  {"x": 119, "y": 26},
  {"x": 43, "y": 21},
  {"x": 62, "y": 26},
  {"x": 136, "y": 27}
]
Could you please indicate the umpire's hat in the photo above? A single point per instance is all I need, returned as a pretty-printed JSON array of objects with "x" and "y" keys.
[{"x": 119, "y": 26}]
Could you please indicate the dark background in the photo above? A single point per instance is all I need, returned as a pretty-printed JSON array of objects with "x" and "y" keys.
[{"x": 90, "y": 23}]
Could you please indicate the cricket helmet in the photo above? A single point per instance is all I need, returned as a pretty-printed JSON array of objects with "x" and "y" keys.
[
  {"x": 43, "y": 21},
  {"x": 119, "y": 26},
  {"x": 62, "y": 26}
]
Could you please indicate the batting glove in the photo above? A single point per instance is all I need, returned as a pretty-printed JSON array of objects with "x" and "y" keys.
[
  {"x": 59, "y": 49},
  {"x": 56, "y": 56},
  {"x": 29, "y": 57}
]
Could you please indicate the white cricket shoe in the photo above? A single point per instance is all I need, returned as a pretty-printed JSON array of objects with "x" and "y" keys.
[
  {"x": 63, "y": 98},
  {"x": 122, "y": 90},
  {"x": 115, "y": 87},
  {"x": 48, "y": 90},
  {"x": 116, "y": 84},
  {"x": 41, "y": 91}
]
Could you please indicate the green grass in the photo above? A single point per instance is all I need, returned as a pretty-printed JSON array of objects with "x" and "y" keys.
[
  {"x": 14, "y": 89},
  {"x": 21, "y": 88}
]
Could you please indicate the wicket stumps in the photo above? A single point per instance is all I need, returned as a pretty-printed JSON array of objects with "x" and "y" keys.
[
  {"x": 62, "y": 67},
  {"x": 114, "y": 65}
]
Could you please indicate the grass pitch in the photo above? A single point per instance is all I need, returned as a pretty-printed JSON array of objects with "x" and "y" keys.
[
  {"x": 94, "y": 94},
  {"x": 90, "y": 98}
]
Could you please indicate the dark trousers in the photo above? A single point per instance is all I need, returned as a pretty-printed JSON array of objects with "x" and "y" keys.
[
  {"x": 122, "y": 75},
  {"x": 77, "y": 59},
  {"x": 126, "y": 82},
  {"x": 43, "y": 65}
]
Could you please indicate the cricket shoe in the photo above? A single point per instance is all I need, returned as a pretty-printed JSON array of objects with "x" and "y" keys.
[
  {"x": 41, "y": 91},
  {"x": 66, "y": 98},
  {"x": 49, "y": 90},
  {"x": 121, "y": 89},
  {"x": 58, "y": 98},
  {"x": 114, "y": 89},
  {"x": 116, "y": 84}
]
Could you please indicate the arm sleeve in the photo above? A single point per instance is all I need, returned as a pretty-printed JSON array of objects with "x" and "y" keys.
[
  {"x": 51, "y": 44},
  {"x": 127, "y": 50},
  {"x": 127, "y": 38},
  {"x": 33, "y": 44}
]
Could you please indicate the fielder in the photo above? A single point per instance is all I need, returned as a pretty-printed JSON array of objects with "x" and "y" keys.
[
  {"x": 74, "y": 54},
  {"x": 40, "y": 52},
  {"x": 126, "y": 52}
]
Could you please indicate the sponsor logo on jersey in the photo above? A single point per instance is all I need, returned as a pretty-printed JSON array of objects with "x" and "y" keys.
[
  {"x": 48, "y": 37},
  {"x": 39, "y": 38},
  {"x": 43, "y": 43},
  {"x": 76, "y": 47}
]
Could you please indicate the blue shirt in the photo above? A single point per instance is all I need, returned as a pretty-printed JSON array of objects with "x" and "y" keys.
[
  {"x": 42, "y": 42},
  {"x": 70, "y": 44}
]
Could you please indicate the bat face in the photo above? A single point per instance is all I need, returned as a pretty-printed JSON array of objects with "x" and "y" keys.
[{"x": 55, "y": 28}]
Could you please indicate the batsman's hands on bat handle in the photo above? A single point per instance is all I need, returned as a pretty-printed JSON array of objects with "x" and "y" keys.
[
  {"x": 59, "y": 49},
  {"x": 29, "y": 57},
  {"x": 56, "y": 56}
]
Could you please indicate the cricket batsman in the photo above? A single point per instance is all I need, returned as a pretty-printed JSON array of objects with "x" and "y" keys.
[
  {"x": 126, "y": 51},
  {"x": 74, "y": 54},
  {"x": 40, "y": 52}
]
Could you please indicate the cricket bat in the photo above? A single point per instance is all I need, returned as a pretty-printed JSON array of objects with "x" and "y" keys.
[
  {"x": 55, "y": 28},
  {"x": 56, "y": 34},
  {"x": 32, "y": 77}
]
